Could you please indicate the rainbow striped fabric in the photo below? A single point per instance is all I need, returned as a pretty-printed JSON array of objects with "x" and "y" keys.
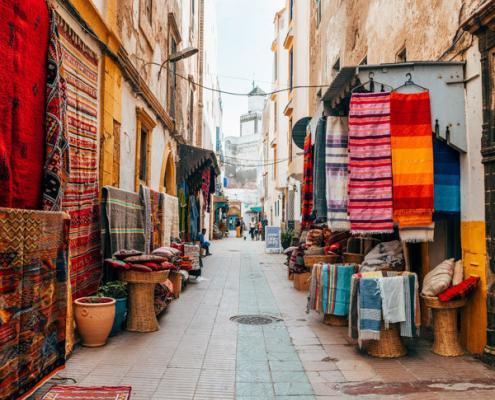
[{"x": 370, "y": 164}]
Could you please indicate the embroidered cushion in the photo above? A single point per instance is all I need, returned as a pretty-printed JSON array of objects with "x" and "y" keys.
[
  {"x": 123, "y": 254},
  {"x": 458, "y": 273},
  {"x": 164, "y": 252},
  {"x": 439, "y": 278}
]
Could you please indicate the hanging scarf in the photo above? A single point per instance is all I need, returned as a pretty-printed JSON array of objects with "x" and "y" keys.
[
  {"x": 319, "y": 179},
  {"x": 307, "y": 186},
  {"x": 56, "y": 169},
  {"x": 205, "y": 188},
  {"x": 370, "y": 166}
]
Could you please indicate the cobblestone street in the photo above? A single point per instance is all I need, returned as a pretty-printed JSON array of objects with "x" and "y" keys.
[{"x": 200, "y": 354}]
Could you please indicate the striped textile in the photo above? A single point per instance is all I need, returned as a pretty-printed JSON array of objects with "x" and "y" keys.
[
  {"x": 337, "y": 160},
  {"x": 123, "y": 226},
  {"x": 170, "y": 222},
  {"x": 412, "y": 158},
  {"x": 88, "y": 392},
  {"x": 370, "y": 309},
  {"x": 370, "y": 167},
  {"x": 319, "y": 172},
  {"x": 80, "y": 198},
  {"x": 447, "y": 178},
  {"x": 307, "y": 186},
  {"x": 145, "y": 197}
]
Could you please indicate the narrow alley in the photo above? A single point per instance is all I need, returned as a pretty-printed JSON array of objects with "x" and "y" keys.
[{"x": 199, "y": 353}]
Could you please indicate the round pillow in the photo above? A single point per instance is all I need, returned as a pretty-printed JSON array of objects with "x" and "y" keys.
[{"x": 439, "y": 278}]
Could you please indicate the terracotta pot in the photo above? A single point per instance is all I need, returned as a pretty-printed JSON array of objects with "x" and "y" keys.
[{"x": 94, "y": 319}]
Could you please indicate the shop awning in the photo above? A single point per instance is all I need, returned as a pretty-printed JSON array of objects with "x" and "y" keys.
[
  {"x": 256, "y": 209},
  {"x": 444, "y": 80},
  {"x": 299, "y": 131},
  {"x": 193, "y": 160}
]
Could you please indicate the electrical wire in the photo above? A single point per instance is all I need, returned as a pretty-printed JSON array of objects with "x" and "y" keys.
[{"x": 254, "y": 165}]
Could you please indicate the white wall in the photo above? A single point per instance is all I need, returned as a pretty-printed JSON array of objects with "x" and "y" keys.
[{"x": 128, "y": 139}]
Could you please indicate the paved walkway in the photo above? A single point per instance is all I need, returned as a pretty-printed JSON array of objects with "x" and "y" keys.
[{"x": 200, "y": 354}]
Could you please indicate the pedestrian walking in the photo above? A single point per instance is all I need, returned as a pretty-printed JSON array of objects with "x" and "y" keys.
[{"x": 252, "y": 227}]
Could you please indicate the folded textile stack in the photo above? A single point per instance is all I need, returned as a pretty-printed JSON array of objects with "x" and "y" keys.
[
  {"x": 329, "y": 291},
  {"x": 192, "y": 251},
  {"x": 388, "y": 297},
  {"x": 387, "y": 255}
]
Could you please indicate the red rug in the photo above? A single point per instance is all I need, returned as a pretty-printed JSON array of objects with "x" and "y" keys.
[{"x": 88, "y": 393}]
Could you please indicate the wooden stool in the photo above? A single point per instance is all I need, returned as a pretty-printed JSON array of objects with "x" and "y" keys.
[
  {"x": 141, "y": 288},
  {"x": 446, "y": 337},
  {"x": 176, "y": 279},
  {"x": 390, "y": 344}
]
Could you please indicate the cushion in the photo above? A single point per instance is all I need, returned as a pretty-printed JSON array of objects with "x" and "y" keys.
[
  {"x": 117, "y": 264},
  {"x": 144, "y": 259},
  {"x": 123, "y": 254},
  {"x": 460, "y": 291},
  {"x": 140, "y": 268},
  {"x": 458, "y": 273},
  {"x": 439, "y": 278},
  {"x": 163, "y": 252}
]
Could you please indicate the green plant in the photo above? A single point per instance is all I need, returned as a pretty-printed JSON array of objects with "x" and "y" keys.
[
  {"x": 287, "y": 237},
  {"x": 115, "y": 289}
]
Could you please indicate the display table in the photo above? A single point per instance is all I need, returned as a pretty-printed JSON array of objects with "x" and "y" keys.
[
  {"x": 446, "y": 337},
  {"x": 141, "y": 288}
]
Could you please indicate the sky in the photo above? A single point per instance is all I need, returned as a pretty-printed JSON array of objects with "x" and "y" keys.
[{"x": 245, "y": 34}]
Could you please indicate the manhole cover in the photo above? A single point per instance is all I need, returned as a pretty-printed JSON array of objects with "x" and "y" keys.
[{"x": 254, "y": 319}]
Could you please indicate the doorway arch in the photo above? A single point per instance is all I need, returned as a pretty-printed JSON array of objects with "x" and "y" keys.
[{"x": 168, "y": 182}]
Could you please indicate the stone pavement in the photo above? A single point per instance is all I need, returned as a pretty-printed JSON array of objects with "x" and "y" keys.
[{"x": 199, "y": 353}]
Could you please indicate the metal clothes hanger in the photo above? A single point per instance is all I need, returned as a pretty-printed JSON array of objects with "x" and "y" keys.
[
  {"x": 410, "y": 82},
  {"x": 371, "y": 82}
]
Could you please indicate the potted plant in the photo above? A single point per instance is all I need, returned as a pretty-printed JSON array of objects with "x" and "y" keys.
[
  {"x": 118, "y": 291},
  {"x": 94, "y": 319}
]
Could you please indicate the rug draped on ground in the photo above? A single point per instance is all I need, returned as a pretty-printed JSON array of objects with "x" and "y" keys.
[
  {"x": 80, "y": 198},
  {"x": 307, "y": 185},
  {"x": 33, "y": 288},
  {"x": 85, "y": 393},
  {"x": 24, "y": 27},
  {"x": 57, "y": 164},
  {"x": 412, "y": 159},
  {"x": 370, "y": 167},
  {"x": 337, "y": 160}
]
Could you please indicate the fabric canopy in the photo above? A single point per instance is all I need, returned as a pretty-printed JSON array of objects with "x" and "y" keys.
[{"x": 194, "y": 160}]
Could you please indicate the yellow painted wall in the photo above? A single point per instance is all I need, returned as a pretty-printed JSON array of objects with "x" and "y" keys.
[{"x": 473, "y": 315}]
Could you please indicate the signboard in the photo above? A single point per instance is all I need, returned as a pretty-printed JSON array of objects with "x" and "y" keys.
[{"x": 272, "y": 239}]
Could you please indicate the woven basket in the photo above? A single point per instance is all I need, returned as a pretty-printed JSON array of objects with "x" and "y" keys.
[
  {"x": 141, "y": 288},
  {"x": 446, "y": 337},
  {"x": 335, "y": 320},
  {"x": 353, "y": 258},
  {"x": 309, "y": 261},
  {"x": 390, "y": 344}
]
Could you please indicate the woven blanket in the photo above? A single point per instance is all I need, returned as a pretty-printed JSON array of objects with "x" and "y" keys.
[
  {"x": 319, "y": 172},
  {"x": 24, "y": 27},
  {"x": 343, "y": 289},
  {"x": 88, "y": 392},
  {"x": 307, "y": 185},
  {"x": 370, "y": 167},
  {"x": 353, "y": 328},
  {"x": 123, "y": 226},
  {"x": 170, "y": 218},
  {"x": 57, "y": 162},
  {"x": 385, "y": 255},
  {"x": 145, "y": 198},
  {"x": 80, "y": 198},
  {"x": 33, "y": 302},
  {"x": 417, "y": 234},
  {"x": 337, "y": 159},
  {"x": 157, "y": 214},
  {"x": 327, "y": 285},
  {"x": 370, "y": 309},
  {"x": 447, "y": 178},
  {"x": 412, "y": 158}
]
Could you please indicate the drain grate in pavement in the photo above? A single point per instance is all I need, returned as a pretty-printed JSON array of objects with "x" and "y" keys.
[{"x": 254, "y": 319}]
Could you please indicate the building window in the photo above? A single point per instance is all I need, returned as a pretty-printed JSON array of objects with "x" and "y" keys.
[
  {"x": 291, "y": 69},
  {"x": 144, "y": 131},
  {"x": 191, "y": 117},
  {"x": 401, "y": 56},
  {"x": 318, "y": 12},
  {"x": 148, "y": 10},
  {"x": 172, "y": 79},
  {"x": 193, "y": 7},
  {"x": 290, "y": 139}
]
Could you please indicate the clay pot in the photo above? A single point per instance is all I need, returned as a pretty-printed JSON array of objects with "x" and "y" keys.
[{"x": 94, "y": 319}]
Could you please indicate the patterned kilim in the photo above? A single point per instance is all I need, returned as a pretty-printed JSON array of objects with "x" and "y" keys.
[
  {"x": 88, "y": 393},
  {"x": 157, "y": 211},
  {"x": 337, "y": 165},
  {"x": 33, "y": 298},
  {"x": 123, "y": 226},
  {"x": 80, "y": 198},
  {"x": 170, "y": 218},
  {"x": 412, "y": 158},
  {"x": 370, "y": 164},
  {"x": 307, "y": 185},
  {"x": 56, "y": 171}
]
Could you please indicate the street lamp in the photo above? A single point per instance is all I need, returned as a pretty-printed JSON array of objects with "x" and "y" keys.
[{"x": 179, "y": 55}]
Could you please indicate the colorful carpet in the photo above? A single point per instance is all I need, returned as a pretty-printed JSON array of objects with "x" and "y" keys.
[
  {"x": 447, "y": 178},
  {"x": 412, "y": 158},
  {"x": 88, "y": 393},
  {"x": 80, "y": 197},
  {"x": 33, "y": 298},
  {"x": 370, "y": 165},
  {"x": 23, "y": 46},
  {"x": 307, "y": 185},
  {"x": 337, "y": 160},
  {"x": 57, "y": 164}
]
